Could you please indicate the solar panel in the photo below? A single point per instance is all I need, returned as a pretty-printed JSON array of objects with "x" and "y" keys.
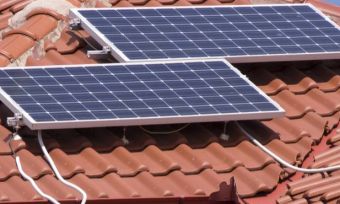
[
  {"x": 132, "y": 94},
  {"x": 239, "y": 33}
]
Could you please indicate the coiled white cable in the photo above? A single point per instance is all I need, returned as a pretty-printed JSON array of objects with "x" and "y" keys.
[
  {"x": 27, "y": 177},
  {"x": 283, "y": 162},
  {"x": 56, "y": 172}
]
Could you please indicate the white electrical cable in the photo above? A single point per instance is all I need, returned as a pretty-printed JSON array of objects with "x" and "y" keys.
[
  {"x": 34, "y": 185},
  {"x": 27, "y": 177},
  {"x": 56, "y": 172},
  {"x": 164, "y": 132},
  {"x": 283, "y": 162}
]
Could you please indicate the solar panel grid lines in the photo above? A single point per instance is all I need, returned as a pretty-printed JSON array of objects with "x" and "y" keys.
[
  {"x": 239, "y": 33},
  {"x": 133, "y": 94}
]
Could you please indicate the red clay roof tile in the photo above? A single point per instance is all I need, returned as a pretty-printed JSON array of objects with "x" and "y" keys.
[
  {"x": 19, "y": 40},
  {"x": 68, "y": 43},
  {"x": 296, "y": 81},
  {"x": 8, "y": 168},
  {"x": 332, "y": 121},
  {"x": 326, "y": 7},
  {"x": 45, "y": 11},
  {"x": 34, "y": 165},
  {"x": 311, "y": 125},
  {"x": 5, "y": 4},
  {"x": 317, "y": 187},
  {"x": 76, "y": 3},
  {"x": 13, "y": 46},
  {"x": 284, "y": 199},
  {"x": 267, "y": 81},
  {"x": 4, "y": 20},
  {"x": 334, "y": 140},
  {"x": 19, "y": 6},
  {"x": 327, "y": 80},
  {"x": 39, "y": 25},
  {"x": 167, "y": 2},
  {"x": 189, "y": 165},
  {"x": 294, "y": 105}
]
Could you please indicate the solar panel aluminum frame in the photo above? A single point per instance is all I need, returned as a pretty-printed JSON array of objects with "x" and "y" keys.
[
  {"x": 121, "y": 57},
  {"x": 34, "y": 125}
]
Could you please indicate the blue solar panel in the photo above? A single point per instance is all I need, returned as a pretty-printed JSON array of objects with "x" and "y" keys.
[
  {"x": 133, "y": 94},
  {"x": 248, "y": 33}
]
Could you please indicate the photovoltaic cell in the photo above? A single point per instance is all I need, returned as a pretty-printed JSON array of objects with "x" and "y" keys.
[
  {"x": 239, "y": 33},
  {"x": 132, "y": 94}
]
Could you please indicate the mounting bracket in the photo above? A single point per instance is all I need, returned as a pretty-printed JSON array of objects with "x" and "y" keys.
[
  {"x": 99, "y": 54},
  {"x": 74, "y": 24},
  {"x": 15, "y": 121}
]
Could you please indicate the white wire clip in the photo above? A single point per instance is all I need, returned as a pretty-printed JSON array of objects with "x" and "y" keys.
[{"x": 224, "y": 136}]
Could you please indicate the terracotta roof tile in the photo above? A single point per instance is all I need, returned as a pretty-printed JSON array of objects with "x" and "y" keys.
[
  {"x": 53, "y": 57},
  {"x": 177, "y": 184},
  {"x": 296, "y": 81},
  {"x": 167, "y": 2},
  {"x": 311, "y": 125},
  {"x": 334, "y": 140},
  {"x": 332, "y": 121},
  {"x": 76, "y": 3},
  {"x": 4, "y": 61},
  {"x": 5, "y": 4},
  {"x": 284, "y": 199},
  {"x": 68, "y": 43},
  {"x": 19, "y": 40},
  {"x": 4, "y": 20},
  {"x": 37, "y": 26},
  {"x": 193, "y": 164},
  {"x": 45, "y": 11},
  {"x": 34, "y": 166},
  {"x": 11, "y": 49},
  {"x": 326, "y": 7},
  {"x": 317, "y": 187},
  {"x": 322, "y": 103},
  {"x": 294, "y": 105},
  {"x": 19, "y": 6},
  {"x": 11, "y": 187},
  {"x": 8, "y": 168},
  {"x": 266, "y": 81},
  {"x": 326, "y": 78}
]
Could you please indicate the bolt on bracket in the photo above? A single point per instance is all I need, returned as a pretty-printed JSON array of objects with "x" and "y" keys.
[
  {"x": 15, "y": 121},
  {"x": 99, "y": 54},
  {"x": 74, "y": 24}
]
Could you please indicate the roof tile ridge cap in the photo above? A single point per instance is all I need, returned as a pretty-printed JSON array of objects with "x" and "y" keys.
[
  {"x": 45, "y": 11},
  {"x": 20, "y": 32},
  {"x": 37, "y": 11}
]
